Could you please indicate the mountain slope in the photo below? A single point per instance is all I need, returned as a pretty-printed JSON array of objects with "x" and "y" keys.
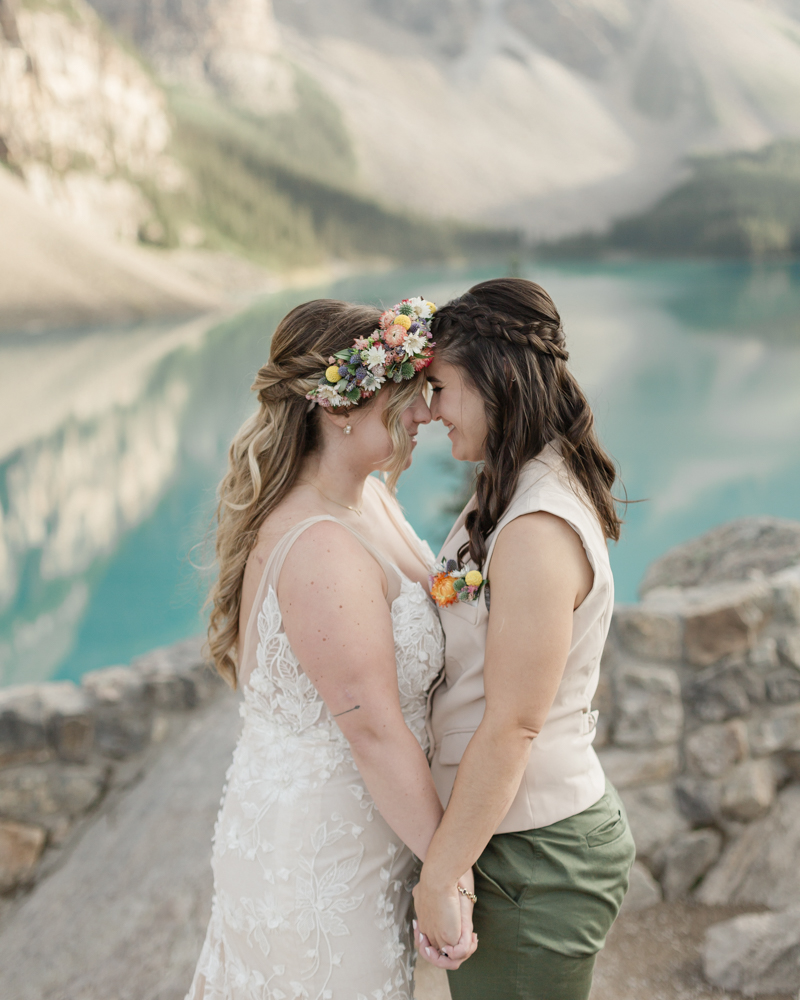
[
  {"x": 559, "y": 114},
  {"x": 54, "y": 274},
  {"x": 80, "y": 120},
  {"x": 740, "y": 205}
]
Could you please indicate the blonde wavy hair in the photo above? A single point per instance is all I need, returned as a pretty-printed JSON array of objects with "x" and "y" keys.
[{"x": 269, "y": 449}]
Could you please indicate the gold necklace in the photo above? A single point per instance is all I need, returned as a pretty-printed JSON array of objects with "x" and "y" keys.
[{"x": 346, "y": 506}]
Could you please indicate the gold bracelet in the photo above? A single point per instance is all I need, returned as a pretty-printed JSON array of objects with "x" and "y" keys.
[{"x": 467, "y": 893}]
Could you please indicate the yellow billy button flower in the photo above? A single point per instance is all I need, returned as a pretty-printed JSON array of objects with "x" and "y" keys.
[
  {"x": 332, "y": 373},
  {"x": 473, "y": 578},
  {"x": 402, "y": 320},
  {"x": 432, "y": 308}
]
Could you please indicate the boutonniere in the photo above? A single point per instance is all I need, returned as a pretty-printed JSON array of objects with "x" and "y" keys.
[{"x": 450, "y": 584}]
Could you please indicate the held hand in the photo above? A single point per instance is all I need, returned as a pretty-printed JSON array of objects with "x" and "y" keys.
[{"x": 446, "y": 915}]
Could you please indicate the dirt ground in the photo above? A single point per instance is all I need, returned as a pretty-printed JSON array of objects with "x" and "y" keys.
[{"x": 650, "y": 955}]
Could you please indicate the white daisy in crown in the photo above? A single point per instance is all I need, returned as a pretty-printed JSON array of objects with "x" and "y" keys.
[{"x": 400, "y": 347}]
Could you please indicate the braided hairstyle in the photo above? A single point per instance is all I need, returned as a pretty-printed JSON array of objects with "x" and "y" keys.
[
  {"x": 509, "y": 331},
  {"x": 268, "y": 452}
]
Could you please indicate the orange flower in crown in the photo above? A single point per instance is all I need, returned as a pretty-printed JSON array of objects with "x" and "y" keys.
[{"x": 400, "y": 348}]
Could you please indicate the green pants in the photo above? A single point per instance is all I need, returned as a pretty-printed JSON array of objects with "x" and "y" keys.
[{"x": 546, "y": 900}]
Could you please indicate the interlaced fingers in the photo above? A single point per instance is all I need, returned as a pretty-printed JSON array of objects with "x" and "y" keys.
[{"x": 473, "y": 321}]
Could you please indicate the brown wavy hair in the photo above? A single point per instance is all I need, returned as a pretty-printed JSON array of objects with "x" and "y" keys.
[
  {"x": 506, "y": 338},
  {"x": 269, "y": 449}
]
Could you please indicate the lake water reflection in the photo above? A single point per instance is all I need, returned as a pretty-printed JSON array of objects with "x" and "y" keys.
[{"x": 111, "y": 443}]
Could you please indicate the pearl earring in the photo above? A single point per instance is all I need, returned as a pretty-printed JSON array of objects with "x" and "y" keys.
[{"x": 347, "y": 428}]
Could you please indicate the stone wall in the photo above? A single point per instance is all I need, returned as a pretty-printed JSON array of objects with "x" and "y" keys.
[
  {"x": 700, "y": 731},
  {"x": 63, "y": 746}
]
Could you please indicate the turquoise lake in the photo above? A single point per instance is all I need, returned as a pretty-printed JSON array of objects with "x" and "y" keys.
[{"x": 111, "y": 442}]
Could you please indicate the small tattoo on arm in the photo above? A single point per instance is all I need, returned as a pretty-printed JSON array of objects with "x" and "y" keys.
[{"x": 346, "y": 711}]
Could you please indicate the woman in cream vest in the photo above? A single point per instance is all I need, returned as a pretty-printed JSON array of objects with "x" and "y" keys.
[{"x": 526, "y": 596}]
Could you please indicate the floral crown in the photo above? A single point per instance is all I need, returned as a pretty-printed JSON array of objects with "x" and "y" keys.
[{"x": 397, "y": 350}]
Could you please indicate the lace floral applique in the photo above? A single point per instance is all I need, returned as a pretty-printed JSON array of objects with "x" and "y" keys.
[{"x": 311, "y": 885}]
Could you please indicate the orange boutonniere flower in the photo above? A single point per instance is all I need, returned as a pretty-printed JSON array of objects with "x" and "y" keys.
[
  {"x": 443, "y": 590},
  {"x": 450, "y": 584}
]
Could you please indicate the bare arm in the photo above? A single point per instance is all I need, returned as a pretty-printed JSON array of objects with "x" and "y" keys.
[
  {"x": 337, "y": 620},
  {"x": 539, "y": 574}
]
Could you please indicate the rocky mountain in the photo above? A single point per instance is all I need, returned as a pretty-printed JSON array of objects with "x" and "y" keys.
[
  {"x": 228, "y": 46},
  {"x": 81, "y": 121},
  {"x": 562, "y": 114}
]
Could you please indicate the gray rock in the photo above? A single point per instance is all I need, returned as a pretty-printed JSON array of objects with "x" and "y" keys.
[
  {"x": 643, "y": 890},
  {"x": 685, "y": 860},
  {"x": 631, "y": 768},
  {"x": 122, "y": 710},
  {"x": 649, "y": 631},
  {"x": 730, "y": 552},
  {"x": 723, "y": 621},
  {"x": 45, "y": 793},
  {"x": 764, "y": 654},
  {"x": 755, "y": 953},
  {"x": 653, "y": 816},
  {"x": 723, "y": 692},
  {"x": 21, "y": 846},
  {"x": 114, "y": 686},
  {"x": 791, "y": 761},
  {"x": 774, "y": 729},
  {"x": 699, "y": 799},
  {"x": 748, "y": 791},
  {"x": 712, "y": 750},
  {"x": 603, "y": 702},
  {"x": 649, "y": 707},
  {"x": 760, "y": 867},
  {"x": 177, "y": 677},
  {"x": 22, "y": 724},
  {"x": 786, "y": 596},
  {"x": 68, "y": 719},
  {"x": 783, "y": 686},
  {"x": 34, "y": 716},
  {"x": 789, "y": 648}
]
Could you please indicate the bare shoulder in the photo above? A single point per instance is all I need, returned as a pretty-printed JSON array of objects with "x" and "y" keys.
[
  {"x": 544, "y": 546},
  {"x": 328, "y": 556},
  {"x": 539, "y": 531}
]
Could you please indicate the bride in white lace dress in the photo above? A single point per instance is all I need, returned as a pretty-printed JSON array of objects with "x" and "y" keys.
[{"x": 321, "y": 615}]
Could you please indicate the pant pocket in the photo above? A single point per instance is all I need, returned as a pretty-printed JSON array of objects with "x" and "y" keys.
[
  {"x": 608, "y": 831},
  {"x": 510, "y": 890}
]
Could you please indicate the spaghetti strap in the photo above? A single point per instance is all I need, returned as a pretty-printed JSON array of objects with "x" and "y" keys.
[
  {"x": 272, "y": 571},
  {"x": 274, "y": 565}
]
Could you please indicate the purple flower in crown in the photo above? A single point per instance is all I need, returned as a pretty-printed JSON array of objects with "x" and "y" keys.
[
  {"x": 358, "y": 372},
  {"x": 452, "y": 566}
]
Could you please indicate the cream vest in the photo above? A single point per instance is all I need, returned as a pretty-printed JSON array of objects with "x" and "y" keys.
[{"x": 563, "y": 776}]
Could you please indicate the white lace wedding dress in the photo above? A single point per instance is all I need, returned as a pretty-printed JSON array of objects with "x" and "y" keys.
[{"x": 312, "y": 895}]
